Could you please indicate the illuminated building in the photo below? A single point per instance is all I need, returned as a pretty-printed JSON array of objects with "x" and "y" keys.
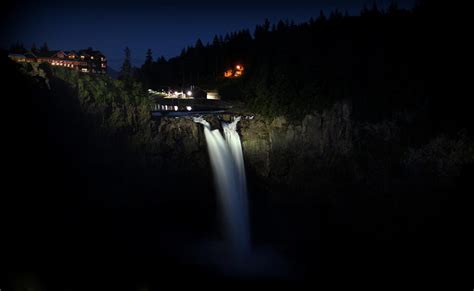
[
  {"x": 87, "y": 61},
  {"x": 235, "y": 72}
]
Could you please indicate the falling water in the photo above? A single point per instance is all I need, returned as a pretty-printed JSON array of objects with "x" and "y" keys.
[{"x": 229, "y": 175}]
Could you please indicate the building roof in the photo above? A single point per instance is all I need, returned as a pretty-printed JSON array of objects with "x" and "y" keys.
[
  {"x": 16, "y": 55},
  {"x": 89, "y": 52},
  {"x": 48, "y": 54},
  {"x": 67, "y": 53},
  {"x": 30, "y": 55}
]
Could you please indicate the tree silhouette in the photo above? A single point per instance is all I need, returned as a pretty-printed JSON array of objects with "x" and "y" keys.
[
  {"x": 199, "y": 44},
  {"x": 149, "y": 57},
  {"x": 126, "y": 70},
  {"x": 17, "y": 48},
  {"x": 44, "y": 48},
  {"x": 34, "y": 49}
]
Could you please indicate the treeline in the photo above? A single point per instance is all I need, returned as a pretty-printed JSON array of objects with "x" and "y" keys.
[
  {"x": 19, "y": 48},
  {"x": 379, "y": 59}
]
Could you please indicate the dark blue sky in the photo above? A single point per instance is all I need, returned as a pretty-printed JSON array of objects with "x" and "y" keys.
[{"x": 164, "y": 26}]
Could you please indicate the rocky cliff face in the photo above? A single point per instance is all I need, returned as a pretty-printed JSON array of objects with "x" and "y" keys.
[
  {"x": 276, "y": 150},
  {"x": 179, "y": 145}
]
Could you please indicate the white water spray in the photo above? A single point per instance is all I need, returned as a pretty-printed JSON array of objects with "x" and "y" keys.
[{"x": 229, "y": 174}]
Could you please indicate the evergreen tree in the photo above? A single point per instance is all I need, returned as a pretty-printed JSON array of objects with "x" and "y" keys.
[
  {"x": 321, "y": 17},
  {"x": 44, "y": 48},
  {"x": 126, "y": 71},
  {"x": 266, "y": 25},
  {"x": 161, "y": 60},
  {"x": 149, "y": 57},
  {"x": 17, "y": 48},
  {"x": 215, "y": 42},
  {"x": 199, "y": 44},
  {"x": 34, "y": 49}
]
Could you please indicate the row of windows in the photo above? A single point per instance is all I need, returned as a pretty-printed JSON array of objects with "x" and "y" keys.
[
  {"x": 73, "y": 66},
  {"x": 62, "y": 64},
  {"x": 102, "y": 59}
]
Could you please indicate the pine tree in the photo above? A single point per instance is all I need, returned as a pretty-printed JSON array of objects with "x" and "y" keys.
[
  {"x": 34, "y": 49},
  {"x": 126, "y": 71},
  {"x": 149, "y": 57},
  {"x": 266, "y": 25},
  {"x": 321, "y": 17},
  {"x": 215, "y": 42},
  {"x": 44, "y": 48},
  {"x": 199, "y": 44},
  {"x": 17, "y": 48}
]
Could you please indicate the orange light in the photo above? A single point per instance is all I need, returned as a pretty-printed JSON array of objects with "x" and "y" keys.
[
  {"x": 228, "y": 73},
  {"x": 238, "y": 67}
]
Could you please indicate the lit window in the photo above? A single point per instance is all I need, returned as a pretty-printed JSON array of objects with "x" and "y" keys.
[
  {"x": 92, "y": 58},
  {"x": 82, "y": 57}
]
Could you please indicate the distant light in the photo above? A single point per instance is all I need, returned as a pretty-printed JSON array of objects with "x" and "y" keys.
[
  {"x": 189, "y": 108},
  {"x": 176, "y": 92},
  {"x": 189, "y": 93},
  {"x": 175, "y": 108},
  {"x": 212, "y": 95},
  {"x": 238, "y": 67}
]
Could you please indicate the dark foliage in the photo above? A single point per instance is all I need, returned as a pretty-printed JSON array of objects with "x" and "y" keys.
[
  {"x": 44, "y": 48},
  {"x": 126, "y": 70},
  {"x": 387, "y": 63}
]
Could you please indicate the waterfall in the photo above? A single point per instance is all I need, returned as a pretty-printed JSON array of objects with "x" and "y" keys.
[{"x": 229, "y": 175}]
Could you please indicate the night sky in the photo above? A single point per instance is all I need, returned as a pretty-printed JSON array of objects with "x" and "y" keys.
[{"x": 164, "y": 26}]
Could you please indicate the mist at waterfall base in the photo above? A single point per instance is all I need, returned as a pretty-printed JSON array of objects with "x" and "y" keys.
[{"x": 234, "y": 255}]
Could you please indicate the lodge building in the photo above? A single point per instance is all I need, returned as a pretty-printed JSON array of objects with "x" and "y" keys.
[{"x": 87, "y": 61}]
